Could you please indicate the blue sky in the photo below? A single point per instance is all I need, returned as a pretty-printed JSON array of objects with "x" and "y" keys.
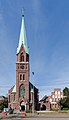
[{"x": 47, "y": 29}]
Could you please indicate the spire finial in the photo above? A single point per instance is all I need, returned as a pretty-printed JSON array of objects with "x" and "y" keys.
[{"x": 23, "y": 11}]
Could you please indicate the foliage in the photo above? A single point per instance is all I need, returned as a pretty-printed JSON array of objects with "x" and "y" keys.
[
  {"x": 64, "y": 103},
  {"x": 28, "y": 111},
  {"x": 4, "y": 104},
  {"x": 66, "y": 92},
  {"x": 1, "y": 106},
  {"x": 65, "y": 110}
]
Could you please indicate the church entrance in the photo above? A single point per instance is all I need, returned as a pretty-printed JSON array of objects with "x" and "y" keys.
[{"x": 22, "y": 105}]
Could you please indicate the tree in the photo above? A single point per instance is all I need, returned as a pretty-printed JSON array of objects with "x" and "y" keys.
[
  {"x": 66, "y": 92},
  {"x": 64, "y": 102},
  {"x": 4, "y": 104}
]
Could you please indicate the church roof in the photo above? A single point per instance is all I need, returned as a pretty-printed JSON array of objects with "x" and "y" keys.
[
  {"x": 22, "y": 38},
  {"x": 30, "y": 85},
  {"x": 14, "y": 89},
  {"x": 44, "y": 98}
]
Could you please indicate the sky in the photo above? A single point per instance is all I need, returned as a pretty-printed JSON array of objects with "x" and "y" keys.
[{"x": 47, "y": 30}]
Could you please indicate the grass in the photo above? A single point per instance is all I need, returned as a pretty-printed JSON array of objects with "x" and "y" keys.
[
  {"x": 64, "y": 111},
  {"x": 51, "y": 112}
]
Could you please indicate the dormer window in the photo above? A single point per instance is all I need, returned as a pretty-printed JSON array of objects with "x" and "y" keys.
[{"x": 22, "y": 57}]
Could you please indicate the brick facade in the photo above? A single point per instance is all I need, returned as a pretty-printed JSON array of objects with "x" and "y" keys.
[
  {"x": 22, "y": 68},
  {"x": 51, "y": 102},
  {"x": 56, "y": 95}
]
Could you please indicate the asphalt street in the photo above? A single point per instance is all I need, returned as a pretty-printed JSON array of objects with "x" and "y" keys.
[{"x": 62, "y": 116}]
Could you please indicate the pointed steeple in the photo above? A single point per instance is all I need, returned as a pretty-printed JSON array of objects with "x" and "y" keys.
[{"x": 23, "y": 39}]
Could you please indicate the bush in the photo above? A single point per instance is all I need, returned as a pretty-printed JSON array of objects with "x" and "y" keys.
[
  {"x": 1, "y": 106},
  {"x": 28, "y": 111}
]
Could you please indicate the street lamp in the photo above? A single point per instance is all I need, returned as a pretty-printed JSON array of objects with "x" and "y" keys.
[{"x": 33, "y": 91}]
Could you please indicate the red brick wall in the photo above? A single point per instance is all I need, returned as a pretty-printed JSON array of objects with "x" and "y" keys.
[{"x": 26, "y": 72}]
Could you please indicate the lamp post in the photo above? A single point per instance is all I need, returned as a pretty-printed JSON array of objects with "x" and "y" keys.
[{"x": 33, "y": 92}]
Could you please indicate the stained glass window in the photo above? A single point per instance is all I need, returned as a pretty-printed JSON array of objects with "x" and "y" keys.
[{"x": 22, "y": 91}]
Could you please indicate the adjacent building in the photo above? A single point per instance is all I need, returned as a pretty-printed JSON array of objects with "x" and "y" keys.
[
  {"x": 23, "y": 95},
  {"x": 56, "y": 95},
  {"x": 51, "y": 102},
  {"x": 44, "y": 103}
]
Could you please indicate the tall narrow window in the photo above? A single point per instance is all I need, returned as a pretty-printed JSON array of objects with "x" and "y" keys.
[
  {"x": 22, "y": 91},
  {"x": 9, "y": 98},
  {"x": 27, "y": 57},
  {"x": 20, "y": 76},
  {"x": 22, "y": 57},
  {"x": 14, "y": 98},
  {"x": 23, "y": 76}
]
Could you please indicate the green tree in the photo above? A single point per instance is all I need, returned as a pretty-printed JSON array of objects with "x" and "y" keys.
[
  {"x": 64, "y": 103},
  {"x": 4, "y": 104},
  {"x": 66, "y": 92}
]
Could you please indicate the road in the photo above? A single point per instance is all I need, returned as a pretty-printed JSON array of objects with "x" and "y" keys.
[{"x": 57, "y": 116}]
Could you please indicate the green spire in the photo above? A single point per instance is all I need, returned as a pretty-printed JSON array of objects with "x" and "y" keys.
[{"x": 23, "y": 39}]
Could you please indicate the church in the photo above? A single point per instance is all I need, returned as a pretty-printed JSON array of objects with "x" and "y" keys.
[{"x": 23, "y": 95}]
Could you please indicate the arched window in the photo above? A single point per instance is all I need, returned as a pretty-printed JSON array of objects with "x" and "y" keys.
[
  {"x": 22, "y": 91},
  {"x": 14, "y": 97},
  {"x": 20, "y": 76},
  {"x": 22, "y": 57},
  {"x": 23, "y": 76}
]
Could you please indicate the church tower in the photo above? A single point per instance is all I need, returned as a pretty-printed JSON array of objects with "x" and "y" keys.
[
  {"x": 23, "y": 95},
  {"x": 22, "y": 70}
]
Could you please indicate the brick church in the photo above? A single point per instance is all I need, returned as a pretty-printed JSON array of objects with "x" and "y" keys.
[{"x": 23, "y": 95}]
